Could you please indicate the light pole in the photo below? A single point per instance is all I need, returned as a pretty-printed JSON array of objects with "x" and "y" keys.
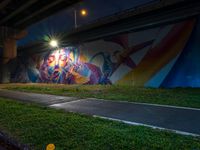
[
  {"x": 75, "y": 18},
  {"x": 83, "y": 12}
]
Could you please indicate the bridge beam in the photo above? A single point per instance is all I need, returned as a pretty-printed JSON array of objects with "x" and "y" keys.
[
  {"x": 17, "y": 11},
  {"x": 155, "y": 14},
  {"x": 136, "y": 20}
]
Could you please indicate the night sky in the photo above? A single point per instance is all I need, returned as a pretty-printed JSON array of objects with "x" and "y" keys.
[{"x": 64, "y": 20}]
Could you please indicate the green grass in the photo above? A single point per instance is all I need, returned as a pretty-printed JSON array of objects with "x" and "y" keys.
[
  {"x": 187, "y": 97},
  {"x": 38, "y": 126}
]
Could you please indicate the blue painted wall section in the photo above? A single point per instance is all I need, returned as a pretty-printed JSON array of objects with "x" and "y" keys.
[{"x": 186, "y": 71}]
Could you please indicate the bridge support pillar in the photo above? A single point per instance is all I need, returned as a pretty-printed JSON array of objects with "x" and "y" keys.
[
  {"x": 10, "y": 38},
  {"x": 9, "y": 52}
]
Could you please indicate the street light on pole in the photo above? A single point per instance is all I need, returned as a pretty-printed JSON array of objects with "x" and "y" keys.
[{"x": 83, "y": 12}]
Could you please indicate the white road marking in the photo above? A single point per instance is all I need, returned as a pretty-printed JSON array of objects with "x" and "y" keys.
[{"x": 151, "y": 126}]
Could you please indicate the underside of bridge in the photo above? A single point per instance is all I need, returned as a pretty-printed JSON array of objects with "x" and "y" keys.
[
  {"x": 19, "y": 14},
  {"x": 156, "y": 13}
]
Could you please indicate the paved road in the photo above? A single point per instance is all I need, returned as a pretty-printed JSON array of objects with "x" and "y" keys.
[
  {"x": 182, "y": 120},
  {"x": 185, "y": 120}
]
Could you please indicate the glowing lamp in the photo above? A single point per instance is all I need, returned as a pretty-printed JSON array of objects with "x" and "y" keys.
[
  {"x": 83, "y": 12},
  {"x": 53, "y": 43}
]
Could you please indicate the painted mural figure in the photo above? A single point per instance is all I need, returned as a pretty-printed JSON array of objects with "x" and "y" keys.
[{"x": 64, "y": 66}]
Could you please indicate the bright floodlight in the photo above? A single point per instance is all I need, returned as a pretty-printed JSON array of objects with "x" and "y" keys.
[{"x": 53, "y": 43}]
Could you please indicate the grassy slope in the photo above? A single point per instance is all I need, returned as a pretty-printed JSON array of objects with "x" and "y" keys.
[
  {"x": 187, "y": 97},
  {"x": 39, "y": 126}
]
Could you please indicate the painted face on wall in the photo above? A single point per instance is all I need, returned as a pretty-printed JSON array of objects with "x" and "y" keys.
[
  {"x": 64, "y": 66},
  {"x": 54, "y": 67},
  {"x": 57, "y": 58}
]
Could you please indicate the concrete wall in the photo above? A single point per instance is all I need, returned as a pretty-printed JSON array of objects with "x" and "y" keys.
[{"x": 166, "y": 56}]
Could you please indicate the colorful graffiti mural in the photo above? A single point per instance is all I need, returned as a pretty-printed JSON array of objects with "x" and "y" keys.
[
  {"x": 157, "y": 57},
  {"x": 67, "y": 66}
]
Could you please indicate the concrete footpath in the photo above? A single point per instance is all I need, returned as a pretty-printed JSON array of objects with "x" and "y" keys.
[{"x": 178, "y": 119}]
